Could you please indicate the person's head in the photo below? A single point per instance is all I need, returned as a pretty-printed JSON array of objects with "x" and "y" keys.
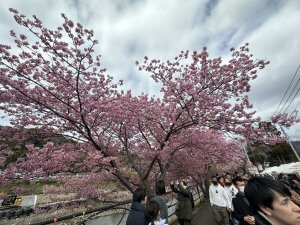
[
  {"x": 246, "y": 178},
  {"x": 294, "y": 178},
  {"x": 160, "y": 187},
  {"x": 239, "y": 183},
  {"x": 153, "y": 211},
  {"x": 272, "y": 198},
  {"x": 220, "y": 180},
  {"x": 285, "y": 177},
  {"x": 228, "y": 176},
  {"x": 286, "y": 183},
  {"x": 139, "y": 195},
  {"x": 184, "y": 184},
  {"x": 227, "y": 182},
  {"x": 297, "y": 177},
  {"x": 214, "y": 180}
]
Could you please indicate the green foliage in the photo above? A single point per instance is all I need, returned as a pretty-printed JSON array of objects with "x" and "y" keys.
[
  {"x": 275, "y": 155},
  {"x": 29, "y": 187}
]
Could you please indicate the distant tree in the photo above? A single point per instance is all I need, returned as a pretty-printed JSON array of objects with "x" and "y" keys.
[
  {"x": 14, "y": 141},
  {"x": 281, "y": 153},
  {"x": 258, "y": 153},
  {"x": 273, "y": 155}
]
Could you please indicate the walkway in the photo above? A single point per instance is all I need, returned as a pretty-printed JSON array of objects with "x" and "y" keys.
[{"x": 203, "y": 216}]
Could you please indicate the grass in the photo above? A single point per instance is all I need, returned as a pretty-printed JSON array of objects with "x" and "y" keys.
[{"x": 30, "y": 187}]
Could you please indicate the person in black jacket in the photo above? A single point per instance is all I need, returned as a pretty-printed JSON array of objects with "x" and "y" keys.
[
  {"x": 137, "y": 214},
  {"x": 242, "y": 210},
  {"x": 184, "y": 209}
]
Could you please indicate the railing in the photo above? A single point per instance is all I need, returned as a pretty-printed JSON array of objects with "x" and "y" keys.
[
  {"x": 99, "y": 209},
  {"x": 197, "y": 195}
]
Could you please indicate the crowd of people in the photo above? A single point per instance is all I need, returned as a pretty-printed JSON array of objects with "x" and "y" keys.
[
  {"x": 154, "y": 211},
  {"x": 255, "y": 200},
  {"x": 235, "y": 200}
]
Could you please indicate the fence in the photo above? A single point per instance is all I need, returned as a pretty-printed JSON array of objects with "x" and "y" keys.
[{"x": 118, "y": 219}]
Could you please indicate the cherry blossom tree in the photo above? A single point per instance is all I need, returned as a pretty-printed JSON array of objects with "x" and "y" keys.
[
  {"x": 57, "y": 83},
  {"x": 205, "y": 149},
  {"x": 54, "y": 81}
]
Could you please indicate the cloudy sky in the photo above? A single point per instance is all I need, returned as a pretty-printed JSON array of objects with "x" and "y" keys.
[{"x": 130, "y": 29}]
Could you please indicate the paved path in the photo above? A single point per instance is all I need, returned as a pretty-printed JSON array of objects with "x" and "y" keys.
[{"x": 203, "y": 216}]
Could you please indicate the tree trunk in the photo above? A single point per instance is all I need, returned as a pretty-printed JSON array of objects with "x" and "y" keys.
[
  {"x": 149, "y": 186},
  {"x": 283, "y": 159},
  {"x": 204, "y": 185},
  {"x": 279, "y": 159}
]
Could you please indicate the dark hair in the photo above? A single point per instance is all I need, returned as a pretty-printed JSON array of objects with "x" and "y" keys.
[
  {"x": 152, "y": 210},
  {"x": 237, "y": 179},
  {"x": 184, "y": 183},
  {"x": 226, "y": 178},
  {"x": 260, "y": 191},
  {"x": 285, "y": 182},
  {"x": 292, "y": 177},
  {"x": 219, "y": 178},
  {"x": 139, "y": 195},
  {"x": 160, "y": 187},
  {"x": 293, "y": 185}
]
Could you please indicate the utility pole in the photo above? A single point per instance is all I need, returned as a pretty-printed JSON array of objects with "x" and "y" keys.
[
  {"x": 248, "y": 159},
  {"x": 290, "y": 143},
  {"x": 246, "y": 152}
]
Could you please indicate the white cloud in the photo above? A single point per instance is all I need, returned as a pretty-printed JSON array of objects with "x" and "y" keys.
[
  {"x": 277, "y": 40},
  {"x": 130, "y": 29}
]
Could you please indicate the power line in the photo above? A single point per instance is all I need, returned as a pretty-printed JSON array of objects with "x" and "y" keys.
[
  {"x": 296, "y": 108},
  {"x": 287, "y": 89},
  {"x": 293, "y": 98},
  {"x": 291, "y": 92},
  {"x": 294, "y": 111}
]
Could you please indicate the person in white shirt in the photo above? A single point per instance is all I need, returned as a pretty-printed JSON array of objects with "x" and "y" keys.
[
  {"x": 230, "y": 190},
  {"x": 220, "y": 202}
]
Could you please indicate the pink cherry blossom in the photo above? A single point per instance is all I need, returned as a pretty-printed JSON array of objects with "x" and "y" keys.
[{"x": 57, "y": 85}]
